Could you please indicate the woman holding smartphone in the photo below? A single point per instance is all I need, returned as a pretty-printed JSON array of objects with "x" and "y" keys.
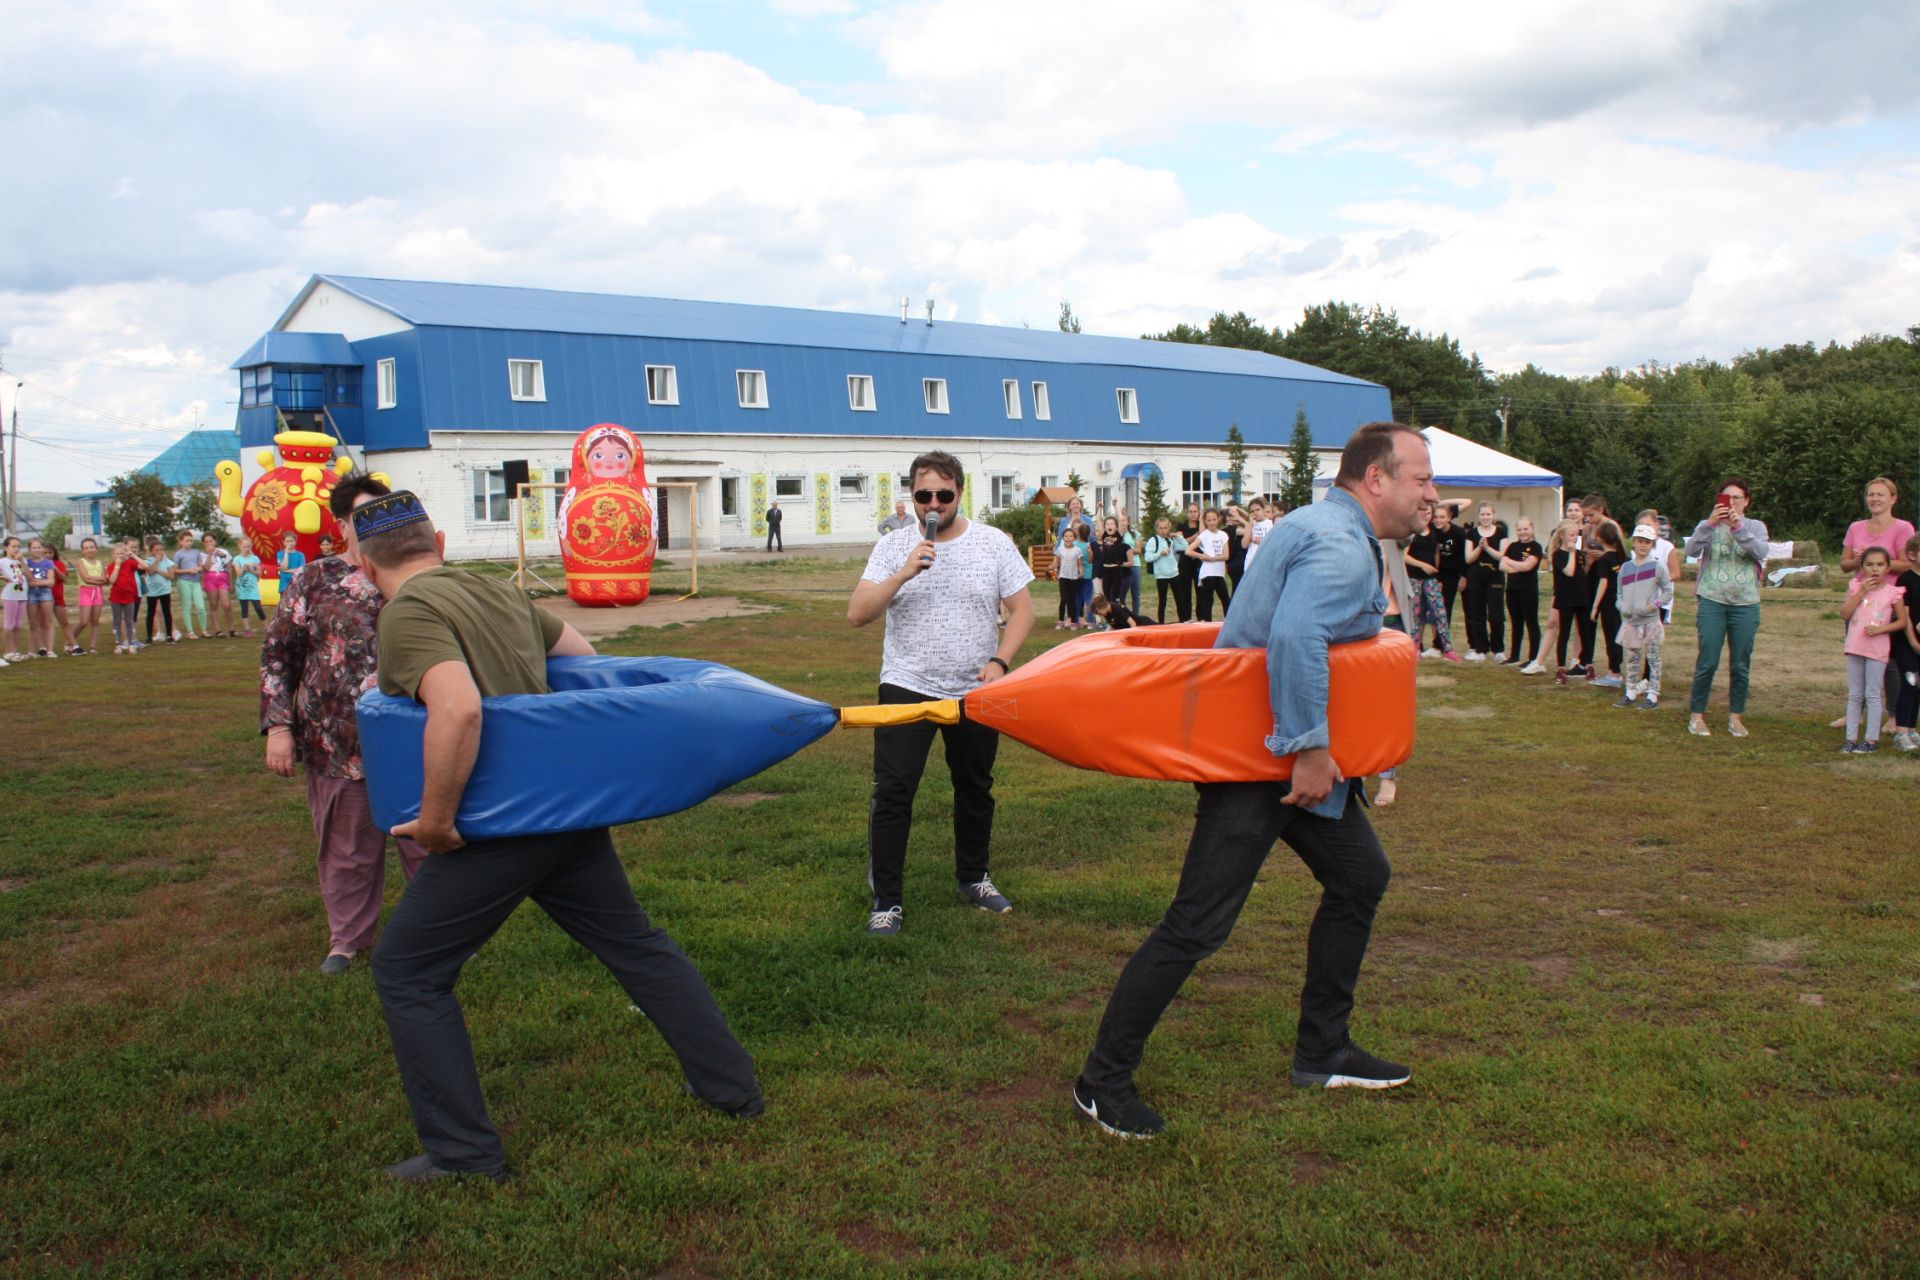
[{"x": 1733, "y": 550}]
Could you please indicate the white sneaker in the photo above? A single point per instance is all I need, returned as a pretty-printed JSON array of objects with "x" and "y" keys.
[
  {"x": 176, "y": 637},
  {"x": 1533, "y": 669},
  {"x": 1429, "y": 653},
  {"x": 1474, "y": 655}
]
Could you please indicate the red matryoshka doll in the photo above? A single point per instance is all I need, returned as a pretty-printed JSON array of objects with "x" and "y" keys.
[{"x": 606, "y": 522}]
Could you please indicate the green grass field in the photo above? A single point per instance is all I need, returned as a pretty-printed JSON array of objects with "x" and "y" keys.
[{"x": 1659, "y": 994}]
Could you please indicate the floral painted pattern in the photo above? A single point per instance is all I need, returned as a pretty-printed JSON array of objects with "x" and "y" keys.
[{"x": 319, "y": 657}]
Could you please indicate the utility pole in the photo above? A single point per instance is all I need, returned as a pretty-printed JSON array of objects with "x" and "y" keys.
[
  {"x": 6, "y": 500},
  {"x": 1506, "y": 416},
  {"x": 11, "y": 473}
]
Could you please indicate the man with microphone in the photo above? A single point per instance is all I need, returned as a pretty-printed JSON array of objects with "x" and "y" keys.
[{"x": 941, "y": 584}]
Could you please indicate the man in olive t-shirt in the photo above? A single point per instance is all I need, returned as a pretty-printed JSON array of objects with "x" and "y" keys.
[{"x": 448, "y": 639}]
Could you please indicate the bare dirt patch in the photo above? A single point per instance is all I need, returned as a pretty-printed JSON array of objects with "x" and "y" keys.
[
  {"x": 1311, "y": 1168},
  {"x": 1434, "y": 682},
  {"x": 1447, "y": 711},
  {"x": 876, "y": 1241},
  {"x": 1552, "y": 971},
  {"x": 658, "y": 611},
  {"x": 9, "y": 883},
  {"x": 1024, "y": 1023},
  {"x": 741, "y": 799},
  {"x": 1153, "y": 1255}
]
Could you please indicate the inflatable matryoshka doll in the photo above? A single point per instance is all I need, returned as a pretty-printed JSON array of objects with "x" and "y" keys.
[{"x": 606, "y": 521}]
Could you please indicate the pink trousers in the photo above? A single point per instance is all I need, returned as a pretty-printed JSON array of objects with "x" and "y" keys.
[{"x": 353, "y": 860}]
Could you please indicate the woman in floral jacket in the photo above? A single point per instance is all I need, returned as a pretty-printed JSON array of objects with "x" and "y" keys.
[{"x": 318, "y": 659}]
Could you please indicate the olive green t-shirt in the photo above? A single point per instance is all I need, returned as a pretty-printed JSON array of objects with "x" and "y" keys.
[{"x": 448, "y": 615}]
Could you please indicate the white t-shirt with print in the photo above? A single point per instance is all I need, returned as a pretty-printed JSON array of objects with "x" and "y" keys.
[
  {"x": 944, "y": 624},
  {"x": 1212, "y": 542},
  {"x": 13, "y": 579}
]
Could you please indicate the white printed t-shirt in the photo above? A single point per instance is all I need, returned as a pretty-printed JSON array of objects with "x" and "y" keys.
[
  {"x": 1212, "y": 542},
  {"x": 944, "y": 624},
  {"x": 13, "y": 579}
]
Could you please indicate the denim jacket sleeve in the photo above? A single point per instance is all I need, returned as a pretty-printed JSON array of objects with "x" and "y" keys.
[{"x": 1332, "y": 594}]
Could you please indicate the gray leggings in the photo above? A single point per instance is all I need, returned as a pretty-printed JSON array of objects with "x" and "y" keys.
[
  {"x": 124, "y": 618},
  {"x": 1866, "y": 682}
]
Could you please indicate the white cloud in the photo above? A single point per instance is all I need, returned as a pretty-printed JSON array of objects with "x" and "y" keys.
[{"x": 1563, "y": 184}]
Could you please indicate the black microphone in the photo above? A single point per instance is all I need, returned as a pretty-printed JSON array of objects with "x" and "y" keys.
[{"x": 933, "y": 525}]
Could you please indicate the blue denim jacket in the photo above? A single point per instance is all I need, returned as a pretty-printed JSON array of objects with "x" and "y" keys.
[{"x": 1316, "y": 582}]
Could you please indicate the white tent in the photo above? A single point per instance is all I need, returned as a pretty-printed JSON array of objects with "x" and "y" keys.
[{"x": 1463, "y": 469}]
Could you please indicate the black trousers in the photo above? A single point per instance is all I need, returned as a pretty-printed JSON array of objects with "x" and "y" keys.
[
  {"x": 773, "y": 537},
  {"x": 1609, "y": 625},
  {"x": 899, "y": 758},
  {"x": 1523, "y": 615},
  {"x": 1486, "y": 616},
  {"x": 1210, "y": 589},
  {"x": 456, "y": 901},
  {"x": 1905, "y": 703},
  {"x": 1235, "y": 825},
  {"x": 165, "y": 605},
  {"x": 1449, "y": 588},
  {"x": 1182, "y": 605},
  {"x": 1187, "y": 591},
  {"x": 1582, "y": 626}
]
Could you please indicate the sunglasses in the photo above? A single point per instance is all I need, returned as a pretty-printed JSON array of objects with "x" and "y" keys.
[{"x": 926, "y": 497}]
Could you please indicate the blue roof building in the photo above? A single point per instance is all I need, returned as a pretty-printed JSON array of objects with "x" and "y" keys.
[
  {"x": 188, "y": 460},
  {"x": 438, "y": 384}
]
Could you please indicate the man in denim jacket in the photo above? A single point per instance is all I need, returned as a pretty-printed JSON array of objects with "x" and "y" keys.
[{"x": 1316, "y": 583}]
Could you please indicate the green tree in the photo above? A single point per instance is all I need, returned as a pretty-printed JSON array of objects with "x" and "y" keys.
[
  {"x": 1076, "y": 482},
  {"x": 142, "y": 505},
  {"x": 1069, "y": 322},
  {"x": 200, "y": 511},
  {"x": 1153, "y": 499},
  {"x": 56, "y": 529},
  {"x": 1303, "y": 464},
  {"x": 1236, "y": 462}
]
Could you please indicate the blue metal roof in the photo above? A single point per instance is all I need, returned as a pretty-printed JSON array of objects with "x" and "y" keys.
[
  {"x": 479, "y": 306},
  {"x": 276, "y": 347},
  {"x": 192, "y": 457}
]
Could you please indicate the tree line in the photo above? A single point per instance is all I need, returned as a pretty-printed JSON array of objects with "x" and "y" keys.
[{"x": 1807, "y": 426}]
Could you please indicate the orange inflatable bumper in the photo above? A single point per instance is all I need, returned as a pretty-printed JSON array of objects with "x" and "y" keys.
[{"x": 1162, "y": 702}]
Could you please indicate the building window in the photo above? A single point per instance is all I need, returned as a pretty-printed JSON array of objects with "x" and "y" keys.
[
  {"x": 851, "y": 485},
  {"x": 663, "y": 385},
  {"x": 730, "y": 496},
  {"x": 256, "y": 386},
  {"x": 1042, "y": 407},
  {"x": 1270, "y": 482},
  {"x": 860, "y": 392},
  {"x": 1103, "y": 500},
  {"x": 789, "y": 488},
  {"x": 1005, "y": 490},
  {"x": 935, "y": 390},
  {"x": 1129, "y": 404},
  {"x": 489, "y": 495},
  {"x": 1196, "y": 486},
  {"x": 1010, "y": 392},
  {"x": 752, "y": 385},
  {"x": 527, "y": 379},
  {"x": 389, "y": 390},
  {"x": 556, "y": 475}
]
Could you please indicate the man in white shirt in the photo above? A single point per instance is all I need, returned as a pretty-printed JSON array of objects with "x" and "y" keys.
[{"x": 942, "y": 599}]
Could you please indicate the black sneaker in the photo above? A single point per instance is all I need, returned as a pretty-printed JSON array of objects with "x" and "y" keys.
[
  {"x": 884, "y": 924},
  {"x": 1122, "y": 1115},
  {"x": 1351, "y": 1067},
  {"x": 1623, "y": 701},
  {"x": 983, "y": 895},
  {"x": 423, "y": 1168}
]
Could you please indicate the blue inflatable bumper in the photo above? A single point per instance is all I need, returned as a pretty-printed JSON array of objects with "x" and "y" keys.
[{"x": 618, "y": 740}]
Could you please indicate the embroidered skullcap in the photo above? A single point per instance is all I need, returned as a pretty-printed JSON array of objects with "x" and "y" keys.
[{"x": 396, "y": 510}]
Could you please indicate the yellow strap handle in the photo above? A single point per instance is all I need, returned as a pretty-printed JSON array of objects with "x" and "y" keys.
[{"x": 945, "y": 711}]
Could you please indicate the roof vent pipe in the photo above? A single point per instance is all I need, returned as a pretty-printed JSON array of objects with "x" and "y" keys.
[
  {"x": 906, "y": 304},
  {"x": 929, "y": 313}
]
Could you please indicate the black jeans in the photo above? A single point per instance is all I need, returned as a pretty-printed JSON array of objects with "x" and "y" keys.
[
  {"x": 1609, "y": 625},
  {"x": 1234, "y": 828},
  {"x": 1180, "y": 606},
  {"x": 1449, "y": 588},
  {"x": 165, "y": 605},
  {"x": 455, "y": 902},
  {"x": 899, "y": 758},
  {"x": 773, "y": 536},
  {"x": 1486, "y": 616},
  {"x": 1523, "y": 615},
  {"x": 1210, "y": 589}
]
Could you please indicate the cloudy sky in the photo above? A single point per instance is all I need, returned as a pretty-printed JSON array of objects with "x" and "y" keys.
[{"x": 1571, "y": 184}]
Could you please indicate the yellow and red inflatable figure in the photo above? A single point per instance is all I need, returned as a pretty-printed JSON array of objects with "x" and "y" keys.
[
  {"x": 607, "y": 537},
  {"x": 290, "y": 496}
]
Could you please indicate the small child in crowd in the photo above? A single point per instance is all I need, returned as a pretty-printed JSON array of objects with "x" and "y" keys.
[
  {"x": 1117, "y": 616},
  {"x": 1070, "y": 566},
  {"x": 156, "y": 584},
  {"x": 40, "y": 599},
  {"x": 217, "y": 582},
  {"x": 292, "y": 560},
  {"x": 92, "y": 568},
  {"x": 1645, "y": 589},
  {"x": 123, "y": 596},
  {"x": 1875, "y": 609},
  {"x": 246, "y": 587},
  {"x": 189, "y": 562},
  {"x": 13, "y": 600}
]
